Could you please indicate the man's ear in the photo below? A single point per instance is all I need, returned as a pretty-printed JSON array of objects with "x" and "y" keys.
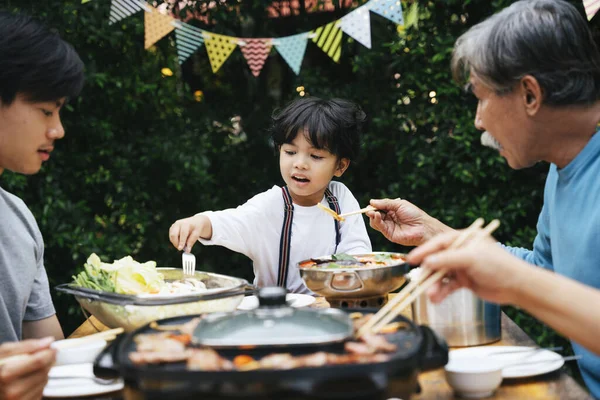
[
  {"x": 342, "y": 166},
  {"x": 531, "y": 93}
]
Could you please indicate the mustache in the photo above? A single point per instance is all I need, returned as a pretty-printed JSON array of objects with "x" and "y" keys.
[{"x": 489, "y": 141}]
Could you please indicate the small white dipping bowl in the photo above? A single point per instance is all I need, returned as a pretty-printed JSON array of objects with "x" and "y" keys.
[
  {"x": 473, "y": 377},
  {"x": 68, "y": 351}
]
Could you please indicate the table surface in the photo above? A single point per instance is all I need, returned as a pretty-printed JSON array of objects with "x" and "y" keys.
[{"x": 555, "y": 385}]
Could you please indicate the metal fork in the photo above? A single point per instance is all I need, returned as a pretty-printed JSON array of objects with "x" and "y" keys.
[{"x": 189, "y": 263}]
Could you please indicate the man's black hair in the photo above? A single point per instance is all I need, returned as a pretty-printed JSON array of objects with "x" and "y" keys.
[{"x": 35, "y": 62}]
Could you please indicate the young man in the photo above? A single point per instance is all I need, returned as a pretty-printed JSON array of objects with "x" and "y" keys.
[
  {"x": 535, "y": 70},
  {"x": 38, "y": 72}
]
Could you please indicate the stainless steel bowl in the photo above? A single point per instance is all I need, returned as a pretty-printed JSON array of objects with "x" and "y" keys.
[
  {"x": 344, "y": 283},
  {"x": 115, "y": 310},
  {"x": 462, "y": 318}
]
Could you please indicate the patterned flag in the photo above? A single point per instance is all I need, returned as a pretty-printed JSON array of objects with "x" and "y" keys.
[
  {"x": 292, "y": 49},
  {"x": 390, "y": 9},
  {"x": 329, "y": 39},
  {"x": 591, "y": 8},
  {"x": 357, "y": 24},
  {"x": 120, "y": 9},
  {"x": 219, "y": 48},
  {"x": 189, "y": 39},
  {"x": 157, "y": 26},
  {"x": 256, "y": 52}
]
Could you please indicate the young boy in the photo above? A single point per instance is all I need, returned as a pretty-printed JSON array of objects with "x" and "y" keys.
[
  {"x": 276, "y": 229},
  {"x": 38, "y": 71}
]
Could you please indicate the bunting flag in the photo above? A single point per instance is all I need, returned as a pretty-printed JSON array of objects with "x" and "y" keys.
[
  {"x": 157, "y": 26},
  {"x": 120, "y": 9},
  {"x": 256, "y": 52},
  {"x": 390, "y": 9},
  {"x": 591, "y": 8},
  {"x": 357, "y": 25},
  {"x": 188, "y": 39},
  {"x": 292, "y": 49},
  {"x": 219, "y": 48},
  {"x": 329, "y": 39}
]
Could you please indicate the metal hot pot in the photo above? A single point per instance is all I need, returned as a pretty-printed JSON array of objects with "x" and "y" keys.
[
  {"x": 336, "y": 278},
  {"x": 418, "y": 348}
]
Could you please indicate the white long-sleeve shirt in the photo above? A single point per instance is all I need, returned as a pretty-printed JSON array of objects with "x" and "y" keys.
[{"x": 254, "y": 229}]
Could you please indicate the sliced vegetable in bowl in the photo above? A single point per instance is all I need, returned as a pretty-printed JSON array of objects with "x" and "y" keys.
[
  {"x": 127, "y": 276},
  {"x": 342, "y": 260}
]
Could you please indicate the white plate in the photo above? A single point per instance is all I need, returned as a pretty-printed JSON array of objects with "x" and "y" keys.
[
  {"x": 296, "y": 300},
  {"x": 80, "y": 385},
  {"x": 524, "y": 355}
]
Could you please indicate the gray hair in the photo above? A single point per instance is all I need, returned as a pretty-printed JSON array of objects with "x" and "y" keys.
[{"x": 547, "y": 39}]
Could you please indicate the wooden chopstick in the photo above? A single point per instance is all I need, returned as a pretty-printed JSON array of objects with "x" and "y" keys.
[
  {"x": 330, "y": 212},
  {"x": 361, "y": 211},
  {"x": 433, "y": 278},
  {"x": 406, "y": 296},
  {"x": 407, "y": 289},
  {"x": 64, "y": 344},
  {"x": 104, "y": 335}
]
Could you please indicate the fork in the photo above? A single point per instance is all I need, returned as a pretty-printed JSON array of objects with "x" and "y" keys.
[{"x": 189, "y": 263}]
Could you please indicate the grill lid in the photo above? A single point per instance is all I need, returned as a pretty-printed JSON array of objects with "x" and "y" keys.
[{"x": 273, "y": 323}]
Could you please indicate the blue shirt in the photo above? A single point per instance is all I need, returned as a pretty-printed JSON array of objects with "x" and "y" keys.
[{"x": 568, "y": 235}]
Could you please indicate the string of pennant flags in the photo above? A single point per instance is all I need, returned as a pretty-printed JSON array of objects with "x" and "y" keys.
[
  {"x": 189, "y": 39},
  {"x": 591, "y": 8}
]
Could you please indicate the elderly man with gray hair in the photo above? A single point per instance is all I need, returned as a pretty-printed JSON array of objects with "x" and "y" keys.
[{"x": 535, "y": 70}]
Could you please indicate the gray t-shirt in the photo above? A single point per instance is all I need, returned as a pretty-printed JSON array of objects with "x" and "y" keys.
[{"x": 24, "y": 290}]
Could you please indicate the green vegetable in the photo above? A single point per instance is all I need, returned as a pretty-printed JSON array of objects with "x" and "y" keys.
[
  {"x": 125, "y": 276},
  {"x": 95, "y": 278},
  {"x": 343, "y": 257},
  {"x": 383, "y": 257}
]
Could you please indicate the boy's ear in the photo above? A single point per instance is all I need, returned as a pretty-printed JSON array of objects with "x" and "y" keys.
[{"x": 342, "y": 166}]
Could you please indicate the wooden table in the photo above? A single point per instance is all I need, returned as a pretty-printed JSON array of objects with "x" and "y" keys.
[{"x": 555, "y": 385}]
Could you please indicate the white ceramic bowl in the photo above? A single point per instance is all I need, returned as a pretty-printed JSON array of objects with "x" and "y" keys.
[
  {"x": 473, "y": 377},
  {"x": 69, "y": 352}
]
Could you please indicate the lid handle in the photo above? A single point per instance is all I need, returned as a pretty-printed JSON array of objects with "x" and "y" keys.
[{"x": 272, "y": 296}]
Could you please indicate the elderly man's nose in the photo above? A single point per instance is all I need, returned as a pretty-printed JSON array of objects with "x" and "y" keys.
[{"x": 478, "y": 122}]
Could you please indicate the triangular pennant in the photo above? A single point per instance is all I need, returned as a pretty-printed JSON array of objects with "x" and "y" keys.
[
  {"x": 120, "y": 9},
  {"x": 357, "y": 24},
  {"x": 256, "y": 52},
  {"x": 591, "y": 8},
  {"x": 188, "y": 39},
  {"x": 157, "y": 26},
  {"x": 292, "y": 49},
  {"x": 219, "y": 48},
  {"x": 390, "y": 9},
  {"x": 329, "y": 39}
]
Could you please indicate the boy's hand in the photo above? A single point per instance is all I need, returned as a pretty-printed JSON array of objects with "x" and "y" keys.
[
  {"x": 25, "y": 375},
  {"x": 184, "y": 233}
]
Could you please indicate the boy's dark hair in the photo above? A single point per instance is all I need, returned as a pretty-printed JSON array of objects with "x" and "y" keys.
[
  {"x": 36, "y": 62},
  {"x": 333, "y": 125}
]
